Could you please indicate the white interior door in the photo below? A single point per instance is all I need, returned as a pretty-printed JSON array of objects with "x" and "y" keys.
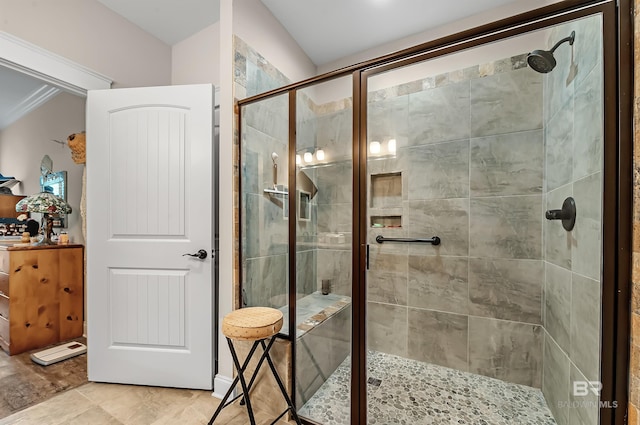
[{"x": 149, "y": 201}]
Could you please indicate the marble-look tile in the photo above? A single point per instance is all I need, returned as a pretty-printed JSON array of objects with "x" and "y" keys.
[
  {"x": 335, "y": 265},
  {"x": 587, "y": 45},
  {"x": 334, "y": 184},
  {"x": 439, "y": 338},
  {"x": 335, "y": 218},
  {"x": 506, "y": 289},
  {"x": 559, "y": 87},
  {"x": 257, "y": 164},
  {"x": 505, "y": 350},
  {"x": 438, "y": 171},
  {"x": 557, "y": 312},
  {"x": 506, "y": 103},
  {"x": 586, "y": 252},
  {"x": 439, "y": 283},
  {"x": 387, "y": 278},
  {"x": 506, "y": 227},
  {"x": 584, "y": 408},
  {"x": 389, "y": 118},
  {"x": 507, "y": 164},
  {"x": 585, "y": 325},
  {"x": 559, "y": 148},
  {"x": 445, "y": 218},
  {"x": 557, "y": 241},
  {"x": 265, "y": 281},
  {"x": 319, "y": 353},
  {"x": 387, "y": 328},
  {"x": 439, "y": 114},
  {"x": 306, "y": 263},
  {"x": 269, "y": 116},
  {"x": 265, "y": 230},
  {"x": 556, "y": 386},
  {"x": 588, "y": 139},
  {"x": 335, "y": 134}
]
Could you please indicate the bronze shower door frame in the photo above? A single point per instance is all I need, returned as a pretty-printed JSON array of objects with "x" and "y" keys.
[{"x": 617, "y": 183}]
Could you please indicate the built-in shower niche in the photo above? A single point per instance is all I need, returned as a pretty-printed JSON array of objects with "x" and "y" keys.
[
  {"x": 387, "y": 221},
  {"x": 386, "y": 190},
  {"x": 386, "y": 200}
]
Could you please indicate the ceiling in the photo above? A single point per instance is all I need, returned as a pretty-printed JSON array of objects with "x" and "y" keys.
[{"x": 326, "y": 30}]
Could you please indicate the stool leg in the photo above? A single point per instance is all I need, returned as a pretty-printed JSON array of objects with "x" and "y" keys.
[
  {"x": 255, "y": 372},
  {"x": 279, "y": 381},
  {"x": 223, "y": 403},
  {"x": 243, "y": 383}
]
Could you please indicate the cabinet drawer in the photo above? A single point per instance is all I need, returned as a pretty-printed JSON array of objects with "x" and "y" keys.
[
  {"x": 4, "y": 261},
  {"x": 4, "y": 284},
  {"x": 4, "y": 307}
]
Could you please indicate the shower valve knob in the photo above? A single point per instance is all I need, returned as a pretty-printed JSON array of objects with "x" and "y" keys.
[{"x": 567, "y": 214}]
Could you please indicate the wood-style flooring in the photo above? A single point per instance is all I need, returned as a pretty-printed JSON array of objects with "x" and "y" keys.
[{"x": 24, "y": 383}]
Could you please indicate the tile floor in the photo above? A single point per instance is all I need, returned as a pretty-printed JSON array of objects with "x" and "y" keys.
[
  {"x": 25, "y": 383},
  {"x": 110, "y": 404},
  {"x": 414, "y": 393},
  {"x": 410, "y": 393}
]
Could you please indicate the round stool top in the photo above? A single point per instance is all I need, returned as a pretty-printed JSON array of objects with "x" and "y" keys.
[{"x": 252, "y": 323}]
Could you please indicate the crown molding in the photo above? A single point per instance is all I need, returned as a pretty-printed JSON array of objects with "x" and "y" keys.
[{"x": 49, "y": 67}]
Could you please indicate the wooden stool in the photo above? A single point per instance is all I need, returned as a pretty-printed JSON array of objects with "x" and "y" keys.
[{"x": 255, "y": 324}]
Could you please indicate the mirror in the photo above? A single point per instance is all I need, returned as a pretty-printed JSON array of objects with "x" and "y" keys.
[{"x": 56, "y": 183}]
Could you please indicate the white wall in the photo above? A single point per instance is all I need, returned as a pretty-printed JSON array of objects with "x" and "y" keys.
[
  {"x": 90, "y": 34},
  {"x": 26, "y": 141},
  {"x": 255, "y": 24},
  {"x": 196, "y": 59}
]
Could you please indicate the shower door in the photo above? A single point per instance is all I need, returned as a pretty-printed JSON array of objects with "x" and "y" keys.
[{"x": 481, "y": 303}]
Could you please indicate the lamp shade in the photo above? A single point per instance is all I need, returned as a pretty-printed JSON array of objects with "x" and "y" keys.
[{"x": 43, "y": 202}]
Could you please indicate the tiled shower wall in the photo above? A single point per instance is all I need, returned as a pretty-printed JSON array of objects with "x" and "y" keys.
[
  {"x": 470, "y": 154},
  {"x": 265, "y": 217},
  {"x": 573, "y": 117}
]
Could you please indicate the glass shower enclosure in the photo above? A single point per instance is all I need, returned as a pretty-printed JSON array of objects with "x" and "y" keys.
[{"x": 447, "y": 183}]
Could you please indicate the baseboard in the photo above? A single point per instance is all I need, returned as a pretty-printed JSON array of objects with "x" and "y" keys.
[{"x": 221, "y": 385}]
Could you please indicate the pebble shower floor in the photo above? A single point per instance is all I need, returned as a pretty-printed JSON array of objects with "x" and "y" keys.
[{"x": 413, "y": 392}]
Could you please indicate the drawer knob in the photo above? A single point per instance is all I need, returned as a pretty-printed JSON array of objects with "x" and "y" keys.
[{"x": 67, "y": 290}]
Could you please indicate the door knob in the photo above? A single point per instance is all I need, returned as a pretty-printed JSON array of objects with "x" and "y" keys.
[{"x": 201, "y": 254}]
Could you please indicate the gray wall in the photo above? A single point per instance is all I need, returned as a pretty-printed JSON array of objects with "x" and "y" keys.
[
  {"x": 471, "y": 162},
  {"x": 574, "y": 141}
]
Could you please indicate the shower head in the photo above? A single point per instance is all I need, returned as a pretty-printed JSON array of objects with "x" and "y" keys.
[
  {"x": 274, "y": 157},
  {"x": 543, "y": 60}
]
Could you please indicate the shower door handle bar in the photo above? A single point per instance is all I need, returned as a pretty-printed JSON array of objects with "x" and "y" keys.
[{"x": 434, "y": 240}]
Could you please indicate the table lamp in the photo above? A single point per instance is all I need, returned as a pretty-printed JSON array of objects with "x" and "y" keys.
[{"x": 45, "y": 203}]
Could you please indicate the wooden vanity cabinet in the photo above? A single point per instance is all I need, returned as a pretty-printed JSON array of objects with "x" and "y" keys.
[{"x": 41, "y": 296}]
